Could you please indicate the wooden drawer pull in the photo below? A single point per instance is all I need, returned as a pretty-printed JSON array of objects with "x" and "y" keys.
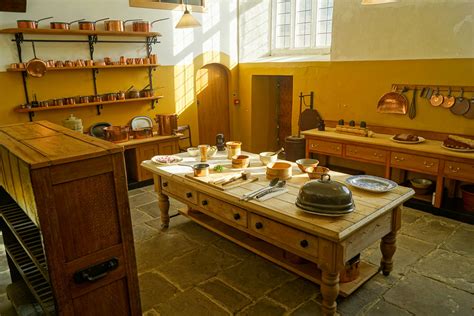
[
  {"x": 453, "y": 170},
  {"x": 304, "y": 243},
  {"x": 204, "y": 202},
  {"x": 236, "y": 216},
  {"x": 428, "y": 165},
  {"x": 165, "y": 184},
  {"x": 258, "y": 225},
  {"x": 189, "y": 195}
]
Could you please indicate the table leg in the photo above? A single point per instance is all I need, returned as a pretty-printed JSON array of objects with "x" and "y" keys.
[
  {"x": 164, "y": 205},
  {"x": 329, "y": 291},
  {"x": 388, "y": 246}
]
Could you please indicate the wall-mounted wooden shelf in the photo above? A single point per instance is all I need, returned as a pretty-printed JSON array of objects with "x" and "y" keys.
[
  {"x": 88, "y": 67},
  {"x": 83, "y": 105},
  {"x": 78, "y": 32}
]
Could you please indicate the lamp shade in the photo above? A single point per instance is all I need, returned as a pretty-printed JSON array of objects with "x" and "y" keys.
[
  {"x": 369, "y": 2},
  {"x": 187, "y": 21}
]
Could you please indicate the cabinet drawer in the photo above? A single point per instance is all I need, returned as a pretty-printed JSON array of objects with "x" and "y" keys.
[
  {"x": 223, "y": 210},
  {"x": 293, "y": 238},
  {"x": 459, "y": 170},
  {"x": 179, "y": 190},
  {"x": 324, "y": 147},
  {"x": 415, "y": 163},
  {"x": 372, "y": 154}
]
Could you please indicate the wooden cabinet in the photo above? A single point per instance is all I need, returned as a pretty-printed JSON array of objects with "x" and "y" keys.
[
  {"x": 414, "y": 162},
  {"x": 69, "y": 191}
]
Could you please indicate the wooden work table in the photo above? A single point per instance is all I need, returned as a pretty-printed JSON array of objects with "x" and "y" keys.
[
  {"x": 278, "y": 230},
  {"x": 427, "y": 157}
]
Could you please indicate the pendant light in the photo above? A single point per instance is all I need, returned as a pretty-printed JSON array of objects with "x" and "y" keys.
[
  {"x": 187, "y": 20},
  {"x": 370, "y": 2}
]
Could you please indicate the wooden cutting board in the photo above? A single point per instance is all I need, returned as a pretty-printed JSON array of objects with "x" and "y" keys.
[{"x": 214, "y": 176}]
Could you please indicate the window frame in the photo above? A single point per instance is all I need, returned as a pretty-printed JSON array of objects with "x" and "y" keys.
[
  {"x": 292, "y": 50},
  {"x": 156, "y": 4}
]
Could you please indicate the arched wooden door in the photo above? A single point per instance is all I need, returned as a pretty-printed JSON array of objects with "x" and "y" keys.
[{"x": 213, "y": 103}]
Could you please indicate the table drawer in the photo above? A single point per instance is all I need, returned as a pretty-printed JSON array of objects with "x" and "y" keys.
[
  {"x": 223, "y": 210},
  {"x": 366, "y": 153},
  {"x": 415, "y": 163},
  {"x": 293, "y": 238},
  {"x": 179, "y": 190},
  {"x": 324, "y": 147},
  {"x": 459, "y": 170}
]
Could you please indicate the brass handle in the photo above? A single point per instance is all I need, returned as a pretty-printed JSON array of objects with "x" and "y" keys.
[
  {"x": 428, "y": 165},
  {"x": 314, "y": 145},
  {"x": 338, "y": 147},
  {"x": 453, "y": 170},
  {"x": 399, "y": 158}
]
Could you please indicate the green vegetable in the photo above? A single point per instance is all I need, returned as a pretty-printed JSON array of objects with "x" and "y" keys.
[{"x": 218, "y": 168}]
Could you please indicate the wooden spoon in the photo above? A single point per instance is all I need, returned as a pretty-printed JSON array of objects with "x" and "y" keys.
[{"x": 244, "y": 176}]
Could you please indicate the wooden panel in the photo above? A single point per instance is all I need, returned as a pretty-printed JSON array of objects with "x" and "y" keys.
[
  {"x": 228, "y": 212},
  {"x": 213, "y": 103},
  {"x": 28, "y": 194},
  {"x": 108, "y": 300},
  {"x": 28, "y": 131},
  {"x": 325, "y": 147},
  {"x": 366, "y": 153},
  {"x": 145, "y": 152},
  {"x": 459, "y": 170},
  {"x": 414, "y": 162},
  {"x": 167, "y": 148},
  {"x": 183, "y": 192},
  {"x": 89, "y": 221},
  {"x": 15, "y": 172},
  {"x": 298, "y": 240},
  {"x": 80, "y": 169},
  {"x": 286, "y": 108},
  {"x": 8, "y": 172}
]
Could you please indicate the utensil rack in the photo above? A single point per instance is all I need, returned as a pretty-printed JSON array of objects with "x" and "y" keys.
[
  {"x": 454, "y": 88},
  {"x": 151, "y": 38}
]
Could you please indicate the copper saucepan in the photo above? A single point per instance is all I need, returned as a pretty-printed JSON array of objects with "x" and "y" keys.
[
  {"x": 30, "y": 24},
  {"x": 62, "y": 25},
  {"x": 36, "y": 67},
  {"x": 117, "y": 25},
  {"x": 144, "y": 26},
  {"x": 393, "y": 102},
  {"x": 89, "y": 25}
]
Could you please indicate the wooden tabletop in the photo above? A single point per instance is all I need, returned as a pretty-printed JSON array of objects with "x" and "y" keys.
[
  {"x": 41, "y": 143},
  {"x": 156, "y": 138},
  {"x": 369, "y": 206},
  {"x": 428, "y": 146}
]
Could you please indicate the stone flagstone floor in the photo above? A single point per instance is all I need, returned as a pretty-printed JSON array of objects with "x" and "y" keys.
[{"x": 187, "y": 270}]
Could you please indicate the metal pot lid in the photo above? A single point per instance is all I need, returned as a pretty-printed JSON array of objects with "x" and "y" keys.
[{"x": 324, "y": 195}]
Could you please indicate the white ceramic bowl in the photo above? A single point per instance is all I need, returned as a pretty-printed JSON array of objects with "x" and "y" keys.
[
  {"x": 193, "y": 151},
  {"x": 267, "y": 157}
]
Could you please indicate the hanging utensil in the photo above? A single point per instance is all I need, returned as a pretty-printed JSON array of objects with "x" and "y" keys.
[
  {"x": 429, "y": 93},
  {"x": 470, "y": 113},
  {"x": 461, "y": 106},
  {"x": 449, "y": 100},
  {"x": 393, "y": 102},
  {"x": 36, "y": 67},
  {"x": 437, "y": 98},
  {"x": 412, "y": 109}
]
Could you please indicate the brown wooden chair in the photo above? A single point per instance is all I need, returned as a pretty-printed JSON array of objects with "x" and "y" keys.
[{"x": 185, "y": 131}]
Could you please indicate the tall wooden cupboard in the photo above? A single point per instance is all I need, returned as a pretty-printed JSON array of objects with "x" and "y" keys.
[{"x": 66, "y": 220}]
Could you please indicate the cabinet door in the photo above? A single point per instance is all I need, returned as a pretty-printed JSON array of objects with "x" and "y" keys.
[
  {"x": 168, "y": 148},
  {"x": 145, "y": 152}
]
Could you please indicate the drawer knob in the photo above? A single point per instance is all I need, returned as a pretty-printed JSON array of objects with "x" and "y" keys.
[
  {"x": 165, "y": 184},
  {"x": 337, "y": 147},
  {"x": 258, "y": 225},
  {"x": 304, "y": 243},
  {"x": 204, "y": 202},
  {"x": 189, "y": 195},
  {"x": 453, "y": 170},
  {"x": 236, "y": 216},
  {"x": 428, "y": 165}
]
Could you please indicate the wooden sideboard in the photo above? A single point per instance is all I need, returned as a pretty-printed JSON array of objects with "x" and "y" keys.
[
  {"x": 427, "y": 157},
  {"x": 138, "y": 150},
  {"x": 66, "y": 220}
]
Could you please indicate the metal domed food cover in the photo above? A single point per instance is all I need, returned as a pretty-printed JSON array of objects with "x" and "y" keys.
[{"x": 325, "y": 197}]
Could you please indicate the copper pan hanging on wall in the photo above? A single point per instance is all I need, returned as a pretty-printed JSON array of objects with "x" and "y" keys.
[{"x": 393, "y": 102}]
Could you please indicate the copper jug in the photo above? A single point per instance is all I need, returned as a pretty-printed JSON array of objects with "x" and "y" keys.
[{"x": 167, "y": 123}]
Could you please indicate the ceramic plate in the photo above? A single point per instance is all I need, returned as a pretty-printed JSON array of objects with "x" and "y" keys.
[
  {"x": 371, "y": 183},
  {"x": 139, "y": 122},
  {"x": 97, "y": 129},
  {"x": 420, "y": 140},
  {"x": 166, "y": 159},
  {"x": 462, "y": 150}
]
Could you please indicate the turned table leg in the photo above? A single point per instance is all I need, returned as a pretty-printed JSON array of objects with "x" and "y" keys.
[
  {"x": 329, "y": 291},
  {"x": 164, "y": 205},
  {"x": 388, "y": 247}
]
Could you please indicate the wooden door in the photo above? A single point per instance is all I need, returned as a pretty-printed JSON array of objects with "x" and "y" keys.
[
  {"x": 213, "y": 103},
  {"x": 285, "y": 102}
]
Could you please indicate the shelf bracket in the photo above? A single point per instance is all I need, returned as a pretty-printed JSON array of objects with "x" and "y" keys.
[
  {"x": 153, "y": 104},
  {"x": 31, "y": 115},
  {"x": 99, "y": 107},
  {"x": 92, "y": 40}
]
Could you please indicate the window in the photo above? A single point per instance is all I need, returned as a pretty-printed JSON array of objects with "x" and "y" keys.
[
  {"x": 301, "y": 26},
  {"x": 195, "y": 5}
]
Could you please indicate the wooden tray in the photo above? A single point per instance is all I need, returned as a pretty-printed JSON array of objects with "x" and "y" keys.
[{"x": 214, "y": 176}]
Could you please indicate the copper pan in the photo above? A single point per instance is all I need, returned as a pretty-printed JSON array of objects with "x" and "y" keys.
[
  {"x": 30, "y": 24},
  {"x": 36, "y": 67},
  {"x": 89, "y": 25},
  {"x": 393, "y": 102},
  {"x": 144, "y": 26},
  {"x": 63, "y": 25},
  {"x": 117, "y": 25}
]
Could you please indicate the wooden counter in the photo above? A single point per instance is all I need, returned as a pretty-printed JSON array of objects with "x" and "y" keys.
[
  {"x": 66, "y": 220},
  {"x": 427, "y": 157}
]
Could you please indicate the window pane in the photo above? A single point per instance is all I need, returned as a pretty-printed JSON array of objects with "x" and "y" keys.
[
  {"x": 303, "y": 23},
  {"x": 283, "y": 23},
  {"x": 324, "y": 25}
]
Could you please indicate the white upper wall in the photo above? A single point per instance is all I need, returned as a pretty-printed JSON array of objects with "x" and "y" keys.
[
  {"x": 218, "y": 31},
  {"x": 408, "y": 29}
]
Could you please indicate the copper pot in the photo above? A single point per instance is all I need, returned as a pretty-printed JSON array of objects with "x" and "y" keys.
[
  {"x": 62, "y": 25},
  {"x": 117, "y": 134},
  {"x": 116, "y": 25},
  {"x": 89, "y": 25},
  {"x": 144, "y": 26},
  {"x": 146, "y": 93},
  {"x": 30, "y": 24},
  {"x": 84, "y": 99}
]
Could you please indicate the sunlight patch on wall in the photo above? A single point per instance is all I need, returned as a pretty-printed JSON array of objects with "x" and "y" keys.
[
  {"x": 182, "y": 38},
  {"x": 212, "y": 17},
  {"x": 212, "y": 47},
  {"x": 254, "y": 33},
  {"x": 184, "y": 83}
]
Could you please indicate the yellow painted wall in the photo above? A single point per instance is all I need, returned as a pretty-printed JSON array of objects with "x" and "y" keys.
[
  {"x": 175, "y": 83},
  {"x": 350, "y": 90}
]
